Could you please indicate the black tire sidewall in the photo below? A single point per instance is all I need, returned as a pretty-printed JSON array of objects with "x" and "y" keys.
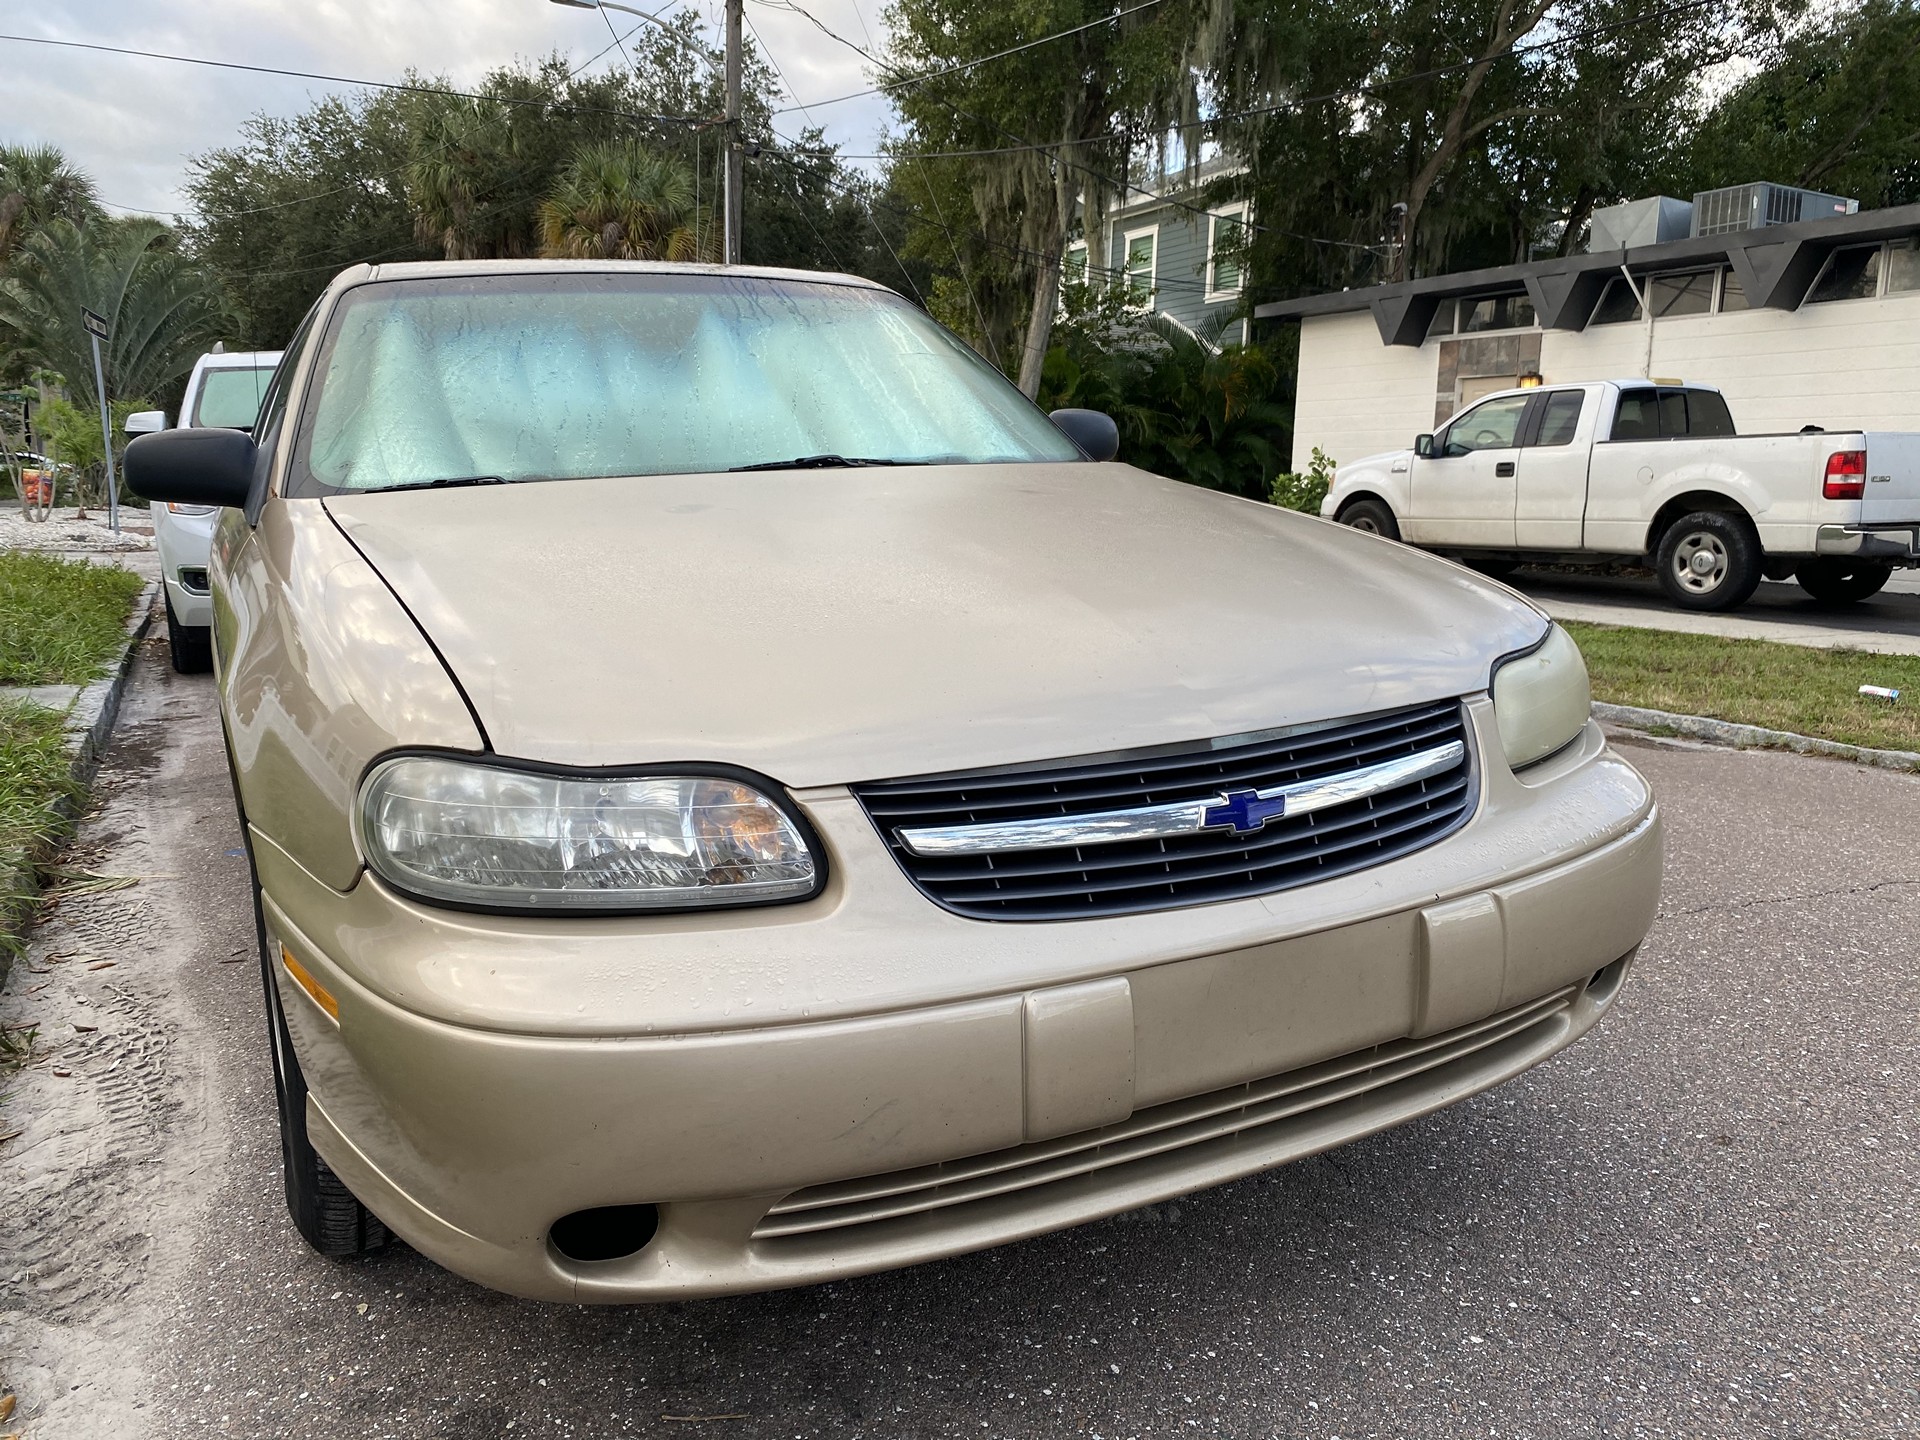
[
  {"x": 1387, "y": 527},
  {"x": 1744, "y": 560},
  {"x": 1837, "y": 581}
]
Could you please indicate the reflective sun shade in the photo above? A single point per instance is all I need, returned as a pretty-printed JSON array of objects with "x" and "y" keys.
[{"x": 470, "y": 834}]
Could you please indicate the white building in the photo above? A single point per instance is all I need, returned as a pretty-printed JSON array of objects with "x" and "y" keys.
[{"x": 1814, "y": 323}]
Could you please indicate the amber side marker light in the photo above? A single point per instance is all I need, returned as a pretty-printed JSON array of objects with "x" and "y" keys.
[{"x": 316, "y": 992}]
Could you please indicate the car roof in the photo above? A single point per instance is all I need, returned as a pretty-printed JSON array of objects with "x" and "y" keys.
[{"x": 239, "y": 360}]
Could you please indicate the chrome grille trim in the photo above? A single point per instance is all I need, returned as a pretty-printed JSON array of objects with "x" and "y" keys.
[
  {"x": 1116, "y": 835},
  {"x": 1159, "y": 822},
  {"x": 1161, "y": 1129}
]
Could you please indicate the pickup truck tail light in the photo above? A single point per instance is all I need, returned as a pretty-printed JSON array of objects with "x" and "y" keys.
[{"x": 1846, "y": 475}]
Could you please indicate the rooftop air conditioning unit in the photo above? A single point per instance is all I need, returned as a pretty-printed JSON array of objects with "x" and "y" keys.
[
  {"x": 1652, "y": 221},
  {"x": 1752, "y": 207}
]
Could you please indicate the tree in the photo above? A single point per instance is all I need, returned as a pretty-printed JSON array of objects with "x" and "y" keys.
[
  {"x": 1834, "y": 105},
  {"x": 1076, "y": 104},
  {"x": 618, "y": 201},
  {"x": 163, "y": 308},
  {"x": 37, "y": 186}
]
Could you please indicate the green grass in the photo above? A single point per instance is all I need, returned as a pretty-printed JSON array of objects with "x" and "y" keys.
[
  {"x": 1756, "y": 682},
  {"x": 61, "y": 621},
  {"x": 35, "y": 776}
]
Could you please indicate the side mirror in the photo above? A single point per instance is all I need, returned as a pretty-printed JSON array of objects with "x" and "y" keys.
[
  {"x": 1096, "y": 434},
  {"x": 1423, "y": 446},
  {"x": 192, "y": 467},
  {"x": 146, "y": 422}
]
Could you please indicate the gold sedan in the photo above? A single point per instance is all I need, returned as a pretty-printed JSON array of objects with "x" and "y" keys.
[{"x": 738, "y": 797}]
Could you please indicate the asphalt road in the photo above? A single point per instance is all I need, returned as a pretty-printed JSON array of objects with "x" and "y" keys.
[
  {"x": 1700, "y": 1221},
  {"x": 1779, "y": 610}
]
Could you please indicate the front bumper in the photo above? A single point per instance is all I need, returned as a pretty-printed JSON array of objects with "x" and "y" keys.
[
  {"x": 185, "y": 543},
  {"x": 804, "y": 1135},
  {"x": 1896, "y": 543}
]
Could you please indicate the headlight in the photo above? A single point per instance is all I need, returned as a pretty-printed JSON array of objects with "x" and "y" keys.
[
  {"x": 1541, "y": 699},
  {"x": 191, "y": 509},
  {"x": 472, "y": 834}
]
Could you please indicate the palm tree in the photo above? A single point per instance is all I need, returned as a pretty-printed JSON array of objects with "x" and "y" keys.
[
  {"x": 164, "y": 309},
  {"x": 619, "y": 201},
  {"x": 37, "y": 185},
  {"x": 465, "y": 183}
]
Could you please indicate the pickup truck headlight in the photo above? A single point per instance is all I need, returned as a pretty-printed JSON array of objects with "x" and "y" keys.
[
  {"x": 1541, "y": 699},
  {"x": 474, "y": 834}
]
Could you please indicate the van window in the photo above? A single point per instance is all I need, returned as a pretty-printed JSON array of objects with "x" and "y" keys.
[
  {"x": 1560, "y": 417},
  {"x": 1638, "y": 417}
]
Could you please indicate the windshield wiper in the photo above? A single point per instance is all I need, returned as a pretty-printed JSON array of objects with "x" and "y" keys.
[
  {"x": 820, "y": 462},
  {"x": 452, "y": 482}
]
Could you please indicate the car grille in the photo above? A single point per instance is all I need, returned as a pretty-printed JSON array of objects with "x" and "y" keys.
[
  {"x": 1258, "y": 1115},
  {"x": 1123, "y": 877}
]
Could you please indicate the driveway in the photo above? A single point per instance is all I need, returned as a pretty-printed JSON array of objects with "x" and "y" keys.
[
  {"x": 1888, "y": 623},
  {"x": 1701, "y": 1221}
]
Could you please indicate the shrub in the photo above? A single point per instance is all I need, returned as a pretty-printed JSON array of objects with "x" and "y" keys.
[{"x": 1294, "y": 491}]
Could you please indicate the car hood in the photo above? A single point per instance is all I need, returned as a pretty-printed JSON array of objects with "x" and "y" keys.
[
  {"x": 1382, "y": 461},
  {"x": 825, "y": 627}
]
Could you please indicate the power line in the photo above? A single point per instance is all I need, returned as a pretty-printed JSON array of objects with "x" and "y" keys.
[
  {"x": 950, "y": 69},
  {"x": 350, "y": 80}
]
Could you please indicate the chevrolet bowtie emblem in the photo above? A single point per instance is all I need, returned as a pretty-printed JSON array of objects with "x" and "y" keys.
[{"x": 1244, "y": 811}]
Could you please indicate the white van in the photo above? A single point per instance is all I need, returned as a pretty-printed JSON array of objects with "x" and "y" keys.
[{"x": 223, "y": 392}]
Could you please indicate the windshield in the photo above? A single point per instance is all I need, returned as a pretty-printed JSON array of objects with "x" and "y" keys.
[
  {"x": 230, "y": 398},
  {"x": 527, "y": 377}
]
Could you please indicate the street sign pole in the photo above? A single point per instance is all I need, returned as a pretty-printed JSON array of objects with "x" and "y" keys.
[{"x": 97, "y": 331}]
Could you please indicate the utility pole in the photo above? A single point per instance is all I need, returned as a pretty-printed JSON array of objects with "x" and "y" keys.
[{"x": 735, "y": 190}]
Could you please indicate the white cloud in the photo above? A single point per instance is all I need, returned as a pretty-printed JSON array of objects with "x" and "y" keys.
[{"x": 132, "y": 123}]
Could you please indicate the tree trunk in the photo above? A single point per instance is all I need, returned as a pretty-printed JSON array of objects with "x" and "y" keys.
[{"x": 1046, "y": 286}]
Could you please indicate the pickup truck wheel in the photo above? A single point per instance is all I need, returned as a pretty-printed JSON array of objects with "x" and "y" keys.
[
  {"x": 1840, "y": 581},
  {"x": 1709, "y": 560},
  {"x": 327, "y": 1214},
  {"x": 1371, "y": 516}
]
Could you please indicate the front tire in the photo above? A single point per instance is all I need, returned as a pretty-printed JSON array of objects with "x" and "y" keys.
[
  {"x": 189, "y": 647},
  {"x": 1838, "y": 581},
  {"x": 326, "y": 1213},
  {"x": 1709, "y": 560},
  {"x": 1372, "y": 517}
]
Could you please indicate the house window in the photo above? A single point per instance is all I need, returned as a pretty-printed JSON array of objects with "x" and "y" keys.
[
  {"x": 1618, "y": 305},
  {"x": 1496, "y": 312},
  {"x": 1141, "y": 245},
  {"x": 1903, "y": 267},
  {"x": 1733, "y": 295},
  {"x": 1849, "y": 274},
  {"x": 1073, "y": 265},
  {"x": 1675, "y": 295},
  {"x": 1227, "y": 231}
]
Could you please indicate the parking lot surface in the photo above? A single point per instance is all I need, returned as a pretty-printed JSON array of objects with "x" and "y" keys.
[{"x": 1700, "y": 1221}]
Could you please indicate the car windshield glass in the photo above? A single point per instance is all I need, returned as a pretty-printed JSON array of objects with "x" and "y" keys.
[
  {"x": 563, "y": 376},
  {"x": 231, "y": 398}
]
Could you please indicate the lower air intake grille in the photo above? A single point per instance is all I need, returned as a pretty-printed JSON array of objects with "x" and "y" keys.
[{"x": 1217, "y": 862}]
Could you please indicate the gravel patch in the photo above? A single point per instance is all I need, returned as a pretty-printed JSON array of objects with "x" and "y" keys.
[{"x": 65, "y": 530}]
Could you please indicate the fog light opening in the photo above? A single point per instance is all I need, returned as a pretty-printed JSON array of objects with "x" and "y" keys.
[
  {"x": 609, "y": 1232},
  {"x": 1606, "y": 981}
]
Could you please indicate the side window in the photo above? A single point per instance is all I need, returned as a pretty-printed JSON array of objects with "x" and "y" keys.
[
  {"x": 1490, "y": 425},
  {"x": 1638, "y": 417},
  {"x": 1707, "y": 413},
  {"x": 1560, "y": 417}
]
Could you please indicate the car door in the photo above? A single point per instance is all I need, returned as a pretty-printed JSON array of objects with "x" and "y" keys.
[
  {"x": 1554, "y": 455},
  {"x": 1464, "y": 493}
]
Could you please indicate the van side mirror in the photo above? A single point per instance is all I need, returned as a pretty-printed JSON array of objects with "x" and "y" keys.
[
  {"x": 1423, "y": 446},
  {"x": 1096, "y": 434},
  {"x": 192, "y": 467},
  {"x": 146, "y": 422}
]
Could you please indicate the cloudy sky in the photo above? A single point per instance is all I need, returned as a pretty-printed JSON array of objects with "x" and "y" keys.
[{"x": 132, "y": 123}]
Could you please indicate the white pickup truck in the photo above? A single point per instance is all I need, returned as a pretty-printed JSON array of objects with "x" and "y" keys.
[{"x": 1639, "y": 470}]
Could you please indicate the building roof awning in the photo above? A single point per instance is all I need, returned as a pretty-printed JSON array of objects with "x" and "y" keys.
[{"x": 1776, "y": 266}]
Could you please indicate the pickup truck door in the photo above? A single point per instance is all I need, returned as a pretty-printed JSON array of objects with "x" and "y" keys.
[
  {"x": 1464, "y": 493},
  {"x": 1554, "y": 456}
]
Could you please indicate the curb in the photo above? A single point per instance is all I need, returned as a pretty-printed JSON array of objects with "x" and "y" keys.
[
  {"x": 89, "y": 727},
  {"x": 1751, "y": 737}
]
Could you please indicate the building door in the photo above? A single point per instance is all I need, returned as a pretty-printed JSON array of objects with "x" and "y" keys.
[
  {"x": 1554, "y": 455},
  {"x": 1465, "y": 492}
]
